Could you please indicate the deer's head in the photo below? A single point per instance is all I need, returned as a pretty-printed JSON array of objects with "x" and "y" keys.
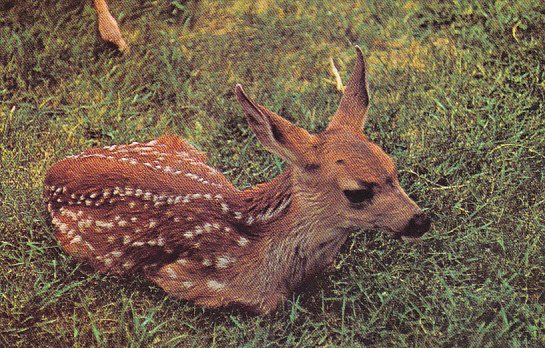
[{"x": 339, "y": 172}]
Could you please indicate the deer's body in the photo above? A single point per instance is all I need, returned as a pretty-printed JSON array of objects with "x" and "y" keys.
[
  {"x": 189, "y": 230},
  {"x": 158, "y": 209}
]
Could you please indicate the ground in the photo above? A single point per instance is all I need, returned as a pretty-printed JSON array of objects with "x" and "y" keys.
[{"x": 458, "y": 92}]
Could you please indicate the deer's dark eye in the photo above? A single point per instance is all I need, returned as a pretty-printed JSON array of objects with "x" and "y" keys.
[{"x": 359, "y": 196}]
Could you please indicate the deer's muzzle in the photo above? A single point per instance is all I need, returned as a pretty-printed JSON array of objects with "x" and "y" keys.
[{"x": 418, "y": 225}]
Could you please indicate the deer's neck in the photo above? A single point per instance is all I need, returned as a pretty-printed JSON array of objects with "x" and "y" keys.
[
  {"x": 266, "y": 203},
  {"x": 298, "y": 237}
]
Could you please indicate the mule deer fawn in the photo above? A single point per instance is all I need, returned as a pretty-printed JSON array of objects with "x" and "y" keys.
[{"x": 158, "y": 209}]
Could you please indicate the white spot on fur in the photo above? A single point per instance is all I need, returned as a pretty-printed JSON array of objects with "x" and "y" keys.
[
  {"x": 206, "y": 262},
  {"x": 215, "y": 285},
  {"x": 171, "y": 273},
  {"x": 160, "y": 241},
  {"x": 77, "y": 239},
  {"x": 242, "y": 241},
  {"x": 224, "y": 261},
  {"x": 128, "y": 264},
  {"x": 83, "y": 224},
  {"x": 104, "y": 224}
]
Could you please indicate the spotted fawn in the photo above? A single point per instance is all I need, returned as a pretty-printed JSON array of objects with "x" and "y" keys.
[{"x": 156, "y": 208}]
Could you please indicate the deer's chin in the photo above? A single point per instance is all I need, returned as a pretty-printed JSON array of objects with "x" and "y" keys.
[
  {"x": 413, "y": 240},
  {"x": 400, "y": 236}
]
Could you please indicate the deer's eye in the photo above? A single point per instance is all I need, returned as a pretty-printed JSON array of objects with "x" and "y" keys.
[{"x": 359, "y": 196}]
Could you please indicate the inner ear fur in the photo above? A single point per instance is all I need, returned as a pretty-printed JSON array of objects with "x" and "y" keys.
[{"x": 277, "y": 134}]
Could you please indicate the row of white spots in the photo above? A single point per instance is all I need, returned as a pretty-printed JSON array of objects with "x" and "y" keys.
[
  {"x": 108, "y": 194},
  {"x": 272, "y": 212},
  {"x": 70, "y": 233},
  {"x": 155, "y": 166},
  {"x": 197, "y": 230},
  {"x": 171, "y": 273},
  {"x": 182, "y": 156},
  {"x": 186, "y": 157},
  {"x": 158, "y": 200},
  {"x": 88, "y": 223},
  {"x": 197, "y": 178}
]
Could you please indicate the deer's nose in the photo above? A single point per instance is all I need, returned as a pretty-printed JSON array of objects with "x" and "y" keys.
[{"x": 418, "y": 225}]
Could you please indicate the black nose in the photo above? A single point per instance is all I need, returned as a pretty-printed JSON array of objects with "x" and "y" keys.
[{"x": 417, "y": 226}]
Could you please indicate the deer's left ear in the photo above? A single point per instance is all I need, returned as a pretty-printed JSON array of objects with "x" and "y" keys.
[
  {"x": 352, "y": 111},
  {"x": 277, "y": 134}
]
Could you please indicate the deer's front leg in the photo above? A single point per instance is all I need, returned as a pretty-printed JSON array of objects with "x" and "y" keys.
[{"x": 193, "y": 283}]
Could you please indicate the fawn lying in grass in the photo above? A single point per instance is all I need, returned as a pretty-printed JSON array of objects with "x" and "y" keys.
[{"x": 158, "y": 209}]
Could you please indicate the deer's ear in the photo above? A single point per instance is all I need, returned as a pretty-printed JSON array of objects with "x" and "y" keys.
[
  {"x": 277, "y": 134},
  {"x": 352, "y": 111}
]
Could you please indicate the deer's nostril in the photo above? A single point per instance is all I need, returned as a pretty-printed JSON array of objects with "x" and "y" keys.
[
  {"x": 422, "y": 220},
  {"x": 417, "y": 226}
]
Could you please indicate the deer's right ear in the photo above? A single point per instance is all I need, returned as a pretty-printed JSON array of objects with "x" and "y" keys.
[{"x": 277, "y": 134}]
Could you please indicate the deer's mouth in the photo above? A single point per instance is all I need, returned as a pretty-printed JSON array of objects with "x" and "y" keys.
[{"x": 417, "y": 226}]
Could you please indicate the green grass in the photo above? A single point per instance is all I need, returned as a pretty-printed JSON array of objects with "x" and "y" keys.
[{"x": 458, "y": 92}]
